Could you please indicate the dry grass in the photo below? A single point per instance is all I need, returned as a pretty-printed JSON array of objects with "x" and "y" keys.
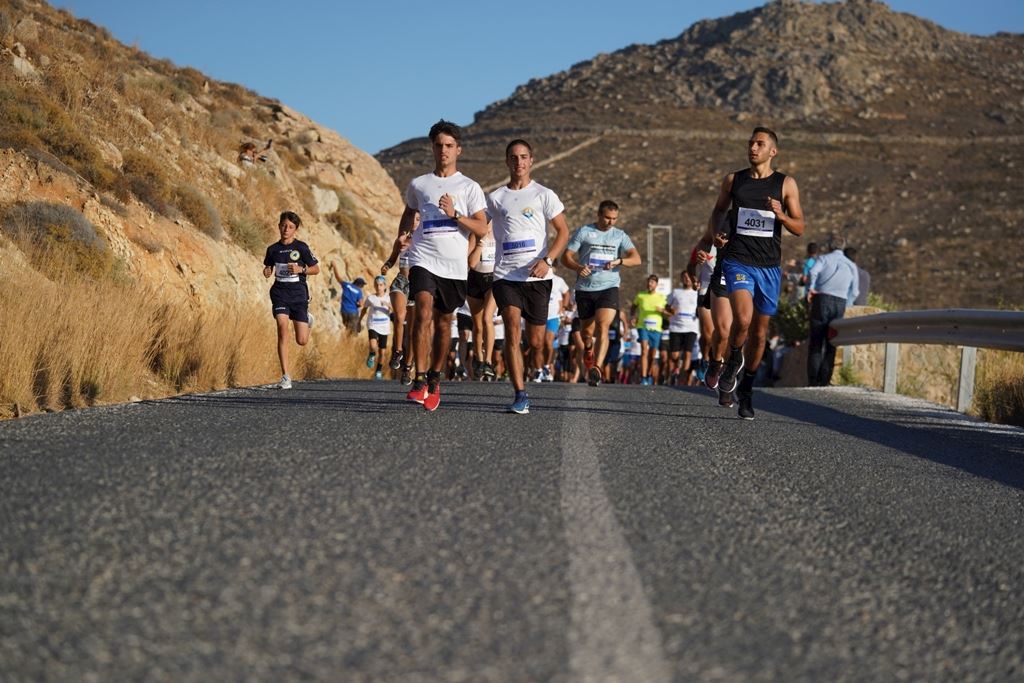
[
  {"x": 999, "y": 387},
  {"x": 97, "y": 341}
]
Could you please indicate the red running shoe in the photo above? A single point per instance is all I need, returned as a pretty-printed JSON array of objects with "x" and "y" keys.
[
  {"x": 418, "y": 393},
  {"x": 433, "y": 398}
]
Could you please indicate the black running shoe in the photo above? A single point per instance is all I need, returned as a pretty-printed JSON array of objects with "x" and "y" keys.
[
  {"x": 726, "y": 399},
  {"x": 712, "y": 374},
  {"x": 396, "y": 360},
  {"x": 406, "y": 377},
  {"x": 593, "y": 376},
  {"x": 727, "y": 380},
  {"x": 488, "y": 371},
  {"x": 746, "y": 410}
]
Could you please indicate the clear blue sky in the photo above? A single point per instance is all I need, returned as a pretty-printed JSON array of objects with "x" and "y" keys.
[{"x": 380, "y": 72}]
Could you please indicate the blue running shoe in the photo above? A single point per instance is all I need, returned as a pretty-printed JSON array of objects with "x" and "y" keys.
[
  {"x": 521, "y": 406},
  {"x": 371, "y": 360}
]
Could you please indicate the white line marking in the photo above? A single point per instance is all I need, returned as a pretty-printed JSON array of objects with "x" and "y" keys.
[{"x": 612, "y": 636}]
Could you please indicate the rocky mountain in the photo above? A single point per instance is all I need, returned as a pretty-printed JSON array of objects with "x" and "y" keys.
[
  {"x": 149, "y": 153},
  {"x": 903, "y": 135}
]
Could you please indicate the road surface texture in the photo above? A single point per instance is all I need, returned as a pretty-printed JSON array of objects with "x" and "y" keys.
[{"x": 335, "y": 532}]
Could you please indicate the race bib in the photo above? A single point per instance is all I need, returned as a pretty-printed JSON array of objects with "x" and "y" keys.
[
  {"x": 487, "y": 254},
  {"x": 613, "y": 335},
  {"x": 525, "y": 246},
  {"x": 381, "y": 319},
  {"x": 651, "y": 322},
  {"x": 598, "y": 261},
  {"x": 755, "y": 222},
  {"x": 281, "y": 273}
]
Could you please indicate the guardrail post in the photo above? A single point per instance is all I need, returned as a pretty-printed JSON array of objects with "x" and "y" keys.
[
  {"x": 892, "y": 361},
  {"x": 968, "y": 362}
]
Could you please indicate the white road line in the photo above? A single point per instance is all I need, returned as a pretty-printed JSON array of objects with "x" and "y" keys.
[{"x": 612, "y": 636}]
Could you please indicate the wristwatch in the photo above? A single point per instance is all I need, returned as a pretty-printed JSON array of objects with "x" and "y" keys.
[
  {"x": 547, "y": 260},
  {"x": 456, "y": 216}
]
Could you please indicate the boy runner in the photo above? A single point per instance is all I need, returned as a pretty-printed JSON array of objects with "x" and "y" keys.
[
  {"x": 646, "y": 314},
  {"x": 289, "y": 260}
]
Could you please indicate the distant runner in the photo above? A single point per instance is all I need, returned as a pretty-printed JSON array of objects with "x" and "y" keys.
[
  {"x": 378, "y": 327},
  {"x": 595, "y": 253},
  {"x": 646, "y": 314}
]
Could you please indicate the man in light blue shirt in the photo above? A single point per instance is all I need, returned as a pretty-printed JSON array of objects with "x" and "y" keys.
[
  {"x": 595, "y": 253},
  {"x": 831, "y": 283}
]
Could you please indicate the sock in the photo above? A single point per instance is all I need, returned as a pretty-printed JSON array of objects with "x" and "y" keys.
[
  {"x": 747, "y": 383},
  {"x": 421, "y": 378},
  {"x": 520, "y": 395},
  {"x": 380, "y": 366}
]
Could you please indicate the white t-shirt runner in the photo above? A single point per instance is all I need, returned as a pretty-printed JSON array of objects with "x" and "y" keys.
[
  {"x": 684, "y": 303},
  {"x": 558, "y": 289},
  {"x": 439, "y": 244},
  {"x": 379, "y": 314},
  {"x": 520, "y": 219}
]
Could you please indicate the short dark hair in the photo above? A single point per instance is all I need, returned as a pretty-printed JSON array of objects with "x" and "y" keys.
[
  {"x": 812, "y": 247},
  {"x": 851, "y": 253},
  {"x": 652, "y": 276},
  {"x": 607, "y": 204},
  {"x": 767, "y": 131},
  {"x": 518, "y": 141},
  {"x": 446, "y": 128},
  {"x": 290, "y": 216}
]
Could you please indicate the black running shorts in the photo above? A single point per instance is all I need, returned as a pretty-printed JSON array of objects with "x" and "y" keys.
[
  {"x": 448, "y": 294},
  {"x": 587, "y": 303},
  {"x": 529, "y": 297}
]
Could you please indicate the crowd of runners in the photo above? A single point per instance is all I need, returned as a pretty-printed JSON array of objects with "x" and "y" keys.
[{"x": 476, "y": 296}]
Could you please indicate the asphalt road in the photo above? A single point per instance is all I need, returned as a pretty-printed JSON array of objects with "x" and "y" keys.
[{"x": 335, "y": 532}]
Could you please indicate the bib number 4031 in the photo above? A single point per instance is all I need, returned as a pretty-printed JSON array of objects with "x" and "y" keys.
[{"x": 755, "y": 222}]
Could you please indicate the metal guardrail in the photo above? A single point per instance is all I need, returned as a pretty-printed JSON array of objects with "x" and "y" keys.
[{"x": 968, "y": 328}]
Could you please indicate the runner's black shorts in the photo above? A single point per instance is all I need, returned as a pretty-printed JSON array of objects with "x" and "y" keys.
[
  {"x": 448, "y": 294},
  {"x": 478, "y": 284},
  {"x": 587, "y": 303},
  {"x": 681, "y": 341},
  {"x": 464, "y": 322},
  {"x": 717, "y": 284},
  {"x": 295, "y": 310},
  {"x": 382, "y": 339},
  {"x": 529, "y": 297}
]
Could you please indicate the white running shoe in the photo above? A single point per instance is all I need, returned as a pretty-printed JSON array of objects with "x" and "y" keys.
[
  {"x": 310, "y": 320},
  {"x": 285, "y": 383}
]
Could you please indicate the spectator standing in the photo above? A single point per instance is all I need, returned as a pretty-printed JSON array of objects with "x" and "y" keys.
[{"x": 831, "y": 283}]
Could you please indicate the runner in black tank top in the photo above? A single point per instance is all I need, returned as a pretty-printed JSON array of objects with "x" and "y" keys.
[{"x": 758, "y": 203}]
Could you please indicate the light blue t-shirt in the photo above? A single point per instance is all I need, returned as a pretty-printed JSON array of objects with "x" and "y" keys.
[{"x": 595, "y": 248}]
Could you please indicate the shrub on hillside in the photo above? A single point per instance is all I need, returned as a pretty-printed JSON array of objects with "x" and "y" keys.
[
  {"x": 198, "y": 208},
  {"x": 250, "y": 234},
  {"x": 31, "y": 120},
  {"x": 144, "y": 178},
  {"x": 56, "y": 237}
]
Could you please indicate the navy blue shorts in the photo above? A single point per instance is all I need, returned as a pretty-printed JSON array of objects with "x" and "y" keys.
[{"x": 295, "y": 310}]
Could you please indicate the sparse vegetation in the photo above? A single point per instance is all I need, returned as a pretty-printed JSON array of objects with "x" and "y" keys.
[
  {"x": 199, "y": 210},
  {"x": 145, "y": 178},
  {"x": 250, "y": 234},
  {"x": 999, "y": 387},
  {"x": 31, "y": 120},
  {"x": 57, "y": 236}
]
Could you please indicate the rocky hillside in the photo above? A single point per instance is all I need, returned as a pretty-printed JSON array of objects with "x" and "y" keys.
[
  {"x": 149, "y": 153},
  {"x": 902, "y": 134}
]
